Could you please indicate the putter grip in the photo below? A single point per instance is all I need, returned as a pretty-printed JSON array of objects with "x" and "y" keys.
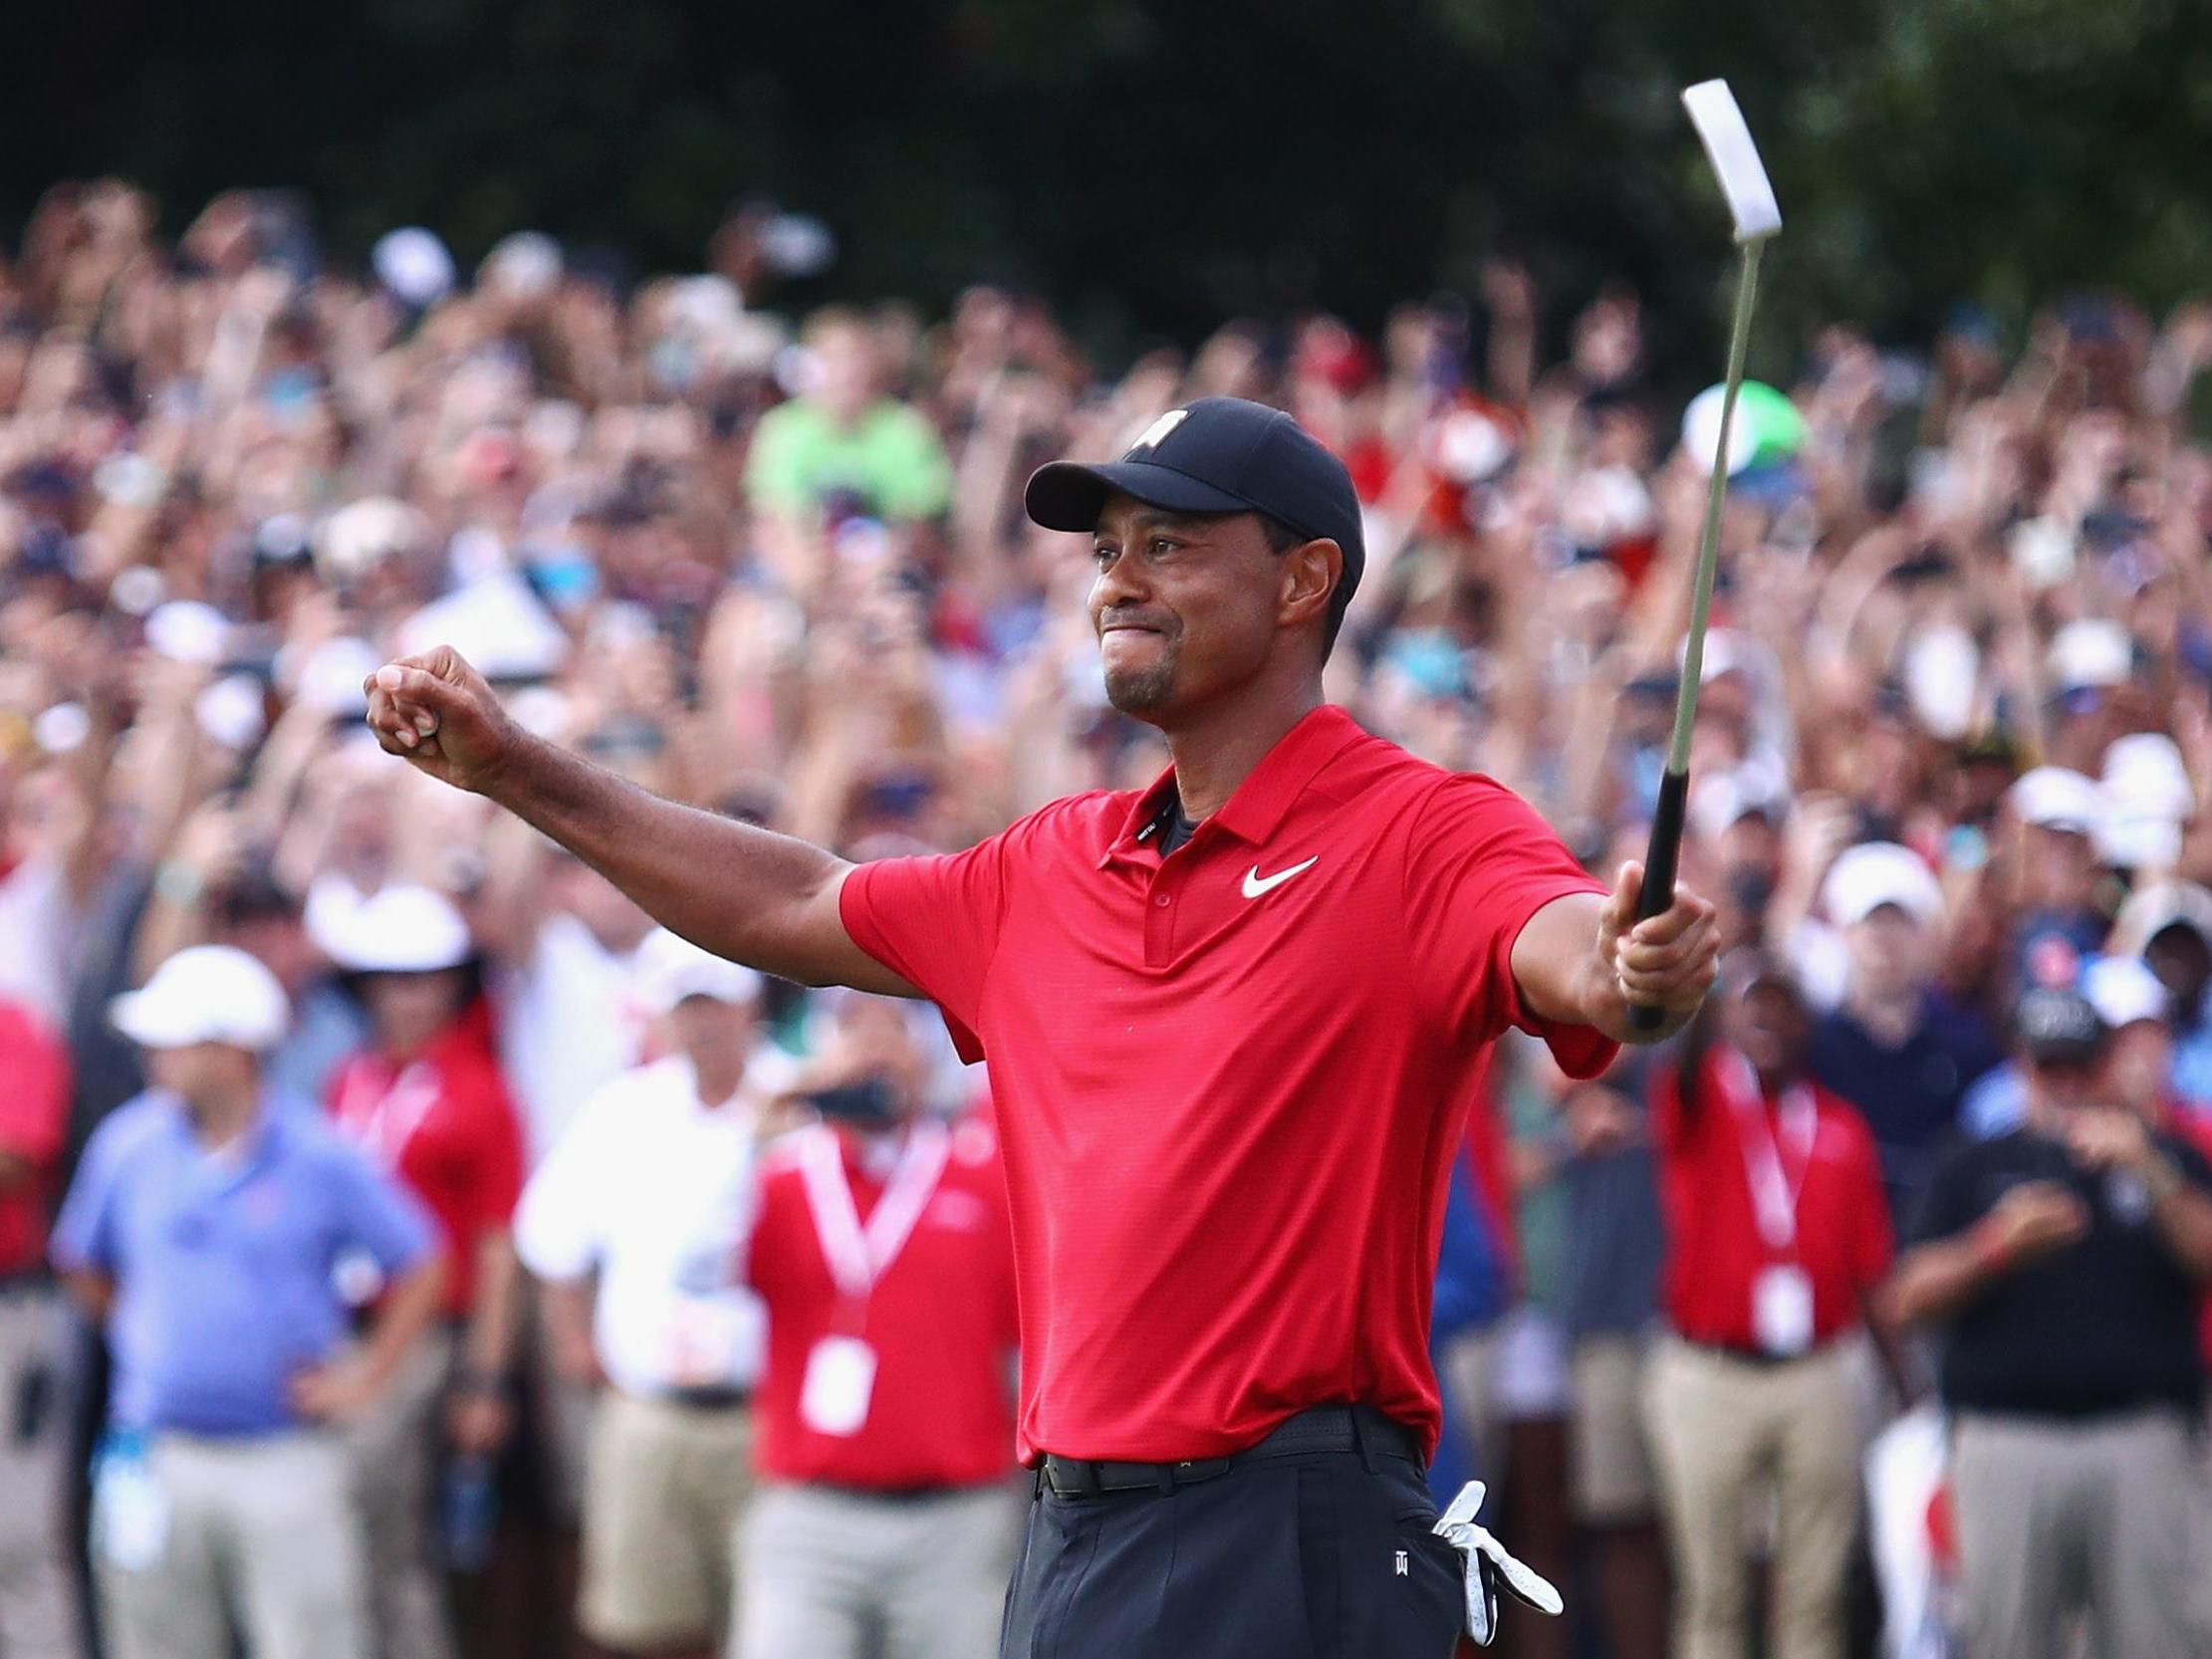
[{"x": 1659, "y": 859}]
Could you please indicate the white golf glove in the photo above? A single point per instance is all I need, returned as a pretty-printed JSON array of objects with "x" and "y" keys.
[{"x": 1488, "y": 1565}]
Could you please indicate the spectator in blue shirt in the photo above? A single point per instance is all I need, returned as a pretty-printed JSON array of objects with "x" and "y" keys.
[
  {"x": 2168, "y": 923},
  {"x": 206, "y": 1228},
  {"x": 1897, "y": 1047}
]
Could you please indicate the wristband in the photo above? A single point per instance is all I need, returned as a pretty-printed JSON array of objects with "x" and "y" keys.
[{"x": 1992, "y": 1252}]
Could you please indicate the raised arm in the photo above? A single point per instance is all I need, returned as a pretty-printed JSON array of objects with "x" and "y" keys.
[{"x": 748, "y": 894}]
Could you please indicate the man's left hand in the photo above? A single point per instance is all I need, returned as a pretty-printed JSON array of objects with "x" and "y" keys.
[
  {"x": 338, "y": 1392},
  {"x": 1667, "y": 962},
  {"x": 478, "y": 1420},
  {"x": 2108, "y": 1138}
]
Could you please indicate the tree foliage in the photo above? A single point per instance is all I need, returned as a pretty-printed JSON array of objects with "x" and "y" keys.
[{"x": 1154, "y": 166}]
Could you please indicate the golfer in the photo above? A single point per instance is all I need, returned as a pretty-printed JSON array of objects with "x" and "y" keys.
[{"x": 1226, "y": 1019}]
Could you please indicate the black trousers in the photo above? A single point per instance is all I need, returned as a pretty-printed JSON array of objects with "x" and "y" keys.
[{"x": 1303, "y": 1556}]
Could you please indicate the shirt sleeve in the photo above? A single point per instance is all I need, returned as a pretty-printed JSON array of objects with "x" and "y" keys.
[
  {"x": 772, "y": 466},
  {"x": 1479, "y": 862},
  {"x": 378, "y": 1216},
  {"x": 920, "y": 484},
  {"x": 34, "y": 1106},
  {"x": 934, "y": 921},
  {"x": 84, "y": 1234},
  {"x": 499, "y": 1156},
  {"x": 761, "y": 1246},
  {"x": 557, "y": 1226},
  {"x": 1873, "y": 1244},
  {"x": 1946, "y": 1206}
]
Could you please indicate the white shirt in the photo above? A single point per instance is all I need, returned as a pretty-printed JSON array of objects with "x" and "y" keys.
[
  {"x": 572, "y": 1023},
  {"x": 36, "y": 929},
  {"x": 656, "y": 1192}
]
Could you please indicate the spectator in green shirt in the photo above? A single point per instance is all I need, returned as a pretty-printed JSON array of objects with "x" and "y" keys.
[{"x": 844, "y": 435}]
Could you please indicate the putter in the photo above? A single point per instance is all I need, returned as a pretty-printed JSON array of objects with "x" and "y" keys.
[{"x": 1742, "y": 180}]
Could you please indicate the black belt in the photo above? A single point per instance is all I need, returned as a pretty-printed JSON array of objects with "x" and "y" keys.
[
  {"x": 706, "y": 1399},
  {"x": 1328, "y": 1428},
  {"x": 1758, "y": 1357}
]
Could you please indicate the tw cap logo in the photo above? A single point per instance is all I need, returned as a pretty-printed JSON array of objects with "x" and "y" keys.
[{"x": 1153, "y": 433}]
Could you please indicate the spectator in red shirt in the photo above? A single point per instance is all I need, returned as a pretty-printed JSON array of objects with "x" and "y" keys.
[
  {"x": 882, "y": 1252},
  {"x": 1777, "y": 1230},
  {"x": 38, "y": 1608},
  {"x": 425, "y": 1101}
]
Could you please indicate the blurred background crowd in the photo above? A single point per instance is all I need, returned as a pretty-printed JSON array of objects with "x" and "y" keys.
[{"x": 465, "y": 1211}]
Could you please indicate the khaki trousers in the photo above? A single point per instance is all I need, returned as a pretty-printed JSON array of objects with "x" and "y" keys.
[
  {"x": 828, "y": 1572},
  {"x": 38, "y": 1604},
  {"x": 664, "y": 1487},
  {"x": 2058, "y": 1518},
  {"x": 391, "y": 1454},
  {"x": 265, "y": 1526},
  {"x": 1727, "y": 1431}
]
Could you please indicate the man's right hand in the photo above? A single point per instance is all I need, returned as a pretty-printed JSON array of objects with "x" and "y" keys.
[
  {"x": 2032, "y": 1221},
  {"x": 437, "y": 713}
]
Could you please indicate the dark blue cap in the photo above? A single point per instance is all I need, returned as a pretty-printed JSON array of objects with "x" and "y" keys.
[{"x": 1217, "y": 455}]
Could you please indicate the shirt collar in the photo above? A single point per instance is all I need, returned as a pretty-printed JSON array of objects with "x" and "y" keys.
[
  {"x": 265, "y": 1136},
  {"x": 1268, "y": 792}
]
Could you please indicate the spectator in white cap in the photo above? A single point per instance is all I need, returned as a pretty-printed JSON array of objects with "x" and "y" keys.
[
  {"x": 2146, "y": 800},
  {"x": 1898, "y": 1046},
  {"x": 206, "y": 1227},
  {"x": 2055, "y": 867},
  {"x": 423, "y": 1099},
  {"x": 1738, "y": 815},
  {"x": 2088, "y": 660},
  {"x": 634, "y": 1222},
  {"x": 2169, "y": 925}
]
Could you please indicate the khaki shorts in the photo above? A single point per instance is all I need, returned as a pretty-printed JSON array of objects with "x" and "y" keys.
[
  {"x": 664, "y": 1488},
  {"x": 1610, "y": 1480}
]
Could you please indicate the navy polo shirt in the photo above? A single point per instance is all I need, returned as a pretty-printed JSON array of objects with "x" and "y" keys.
[{"x": 1909, "y": 1095}]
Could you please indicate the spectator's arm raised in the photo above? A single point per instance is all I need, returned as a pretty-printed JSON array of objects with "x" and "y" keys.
[{"x": 744, "y": 893}]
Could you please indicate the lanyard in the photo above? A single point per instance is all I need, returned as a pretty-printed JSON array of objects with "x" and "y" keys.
[
  {"x": 393, "y": 1120},
  {"x": 858, "y": 1256},
  {"x": 1774, "y": 1192}
]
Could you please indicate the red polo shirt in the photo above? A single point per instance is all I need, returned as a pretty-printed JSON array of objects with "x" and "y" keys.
[
  {"x": 444, "y": 1124},
  {"x": 939, "y": 1321},
  {"x": 1230, "y": 1082},
  {"x": 34, "y": 1112},
  {"x": 1714, "y": 1247}
]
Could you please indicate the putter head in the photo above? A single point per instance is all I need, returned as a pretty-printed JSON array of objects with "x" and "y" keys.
[{"x": 1727, "y": 141}]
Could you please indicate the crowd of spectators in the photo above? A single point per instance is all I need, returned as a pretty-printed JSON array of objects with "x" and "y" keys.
[{"x": 431, "y": 1203}]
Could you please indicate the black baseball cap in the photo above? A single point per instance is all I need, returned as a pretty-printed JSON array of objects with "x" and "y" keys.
[
  {"x": 1217, "y": 455},
  {"x": 2058, "y": 1026}
]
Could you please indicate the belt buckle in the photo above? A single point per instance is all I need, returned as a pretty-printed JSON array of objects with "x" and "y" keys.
[{"x": 1082, "y": 1482}]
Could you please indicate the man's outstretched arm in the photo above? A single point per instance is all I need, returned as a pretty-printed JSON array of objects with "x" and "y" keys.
[{"x": 748, "y": 894}]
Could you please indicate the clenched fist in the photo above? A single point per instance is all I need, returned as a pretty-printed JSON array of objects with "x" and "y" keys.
[
  {"x": 2032, "y": 1221},
  {"x": 437, "y": 713},
  {"x": 1667, "y": 962}
]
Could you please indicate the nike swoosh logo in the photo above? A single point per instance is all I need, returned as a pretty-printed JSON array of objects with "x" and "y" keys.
[{"x": 1255, "y": 883}]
